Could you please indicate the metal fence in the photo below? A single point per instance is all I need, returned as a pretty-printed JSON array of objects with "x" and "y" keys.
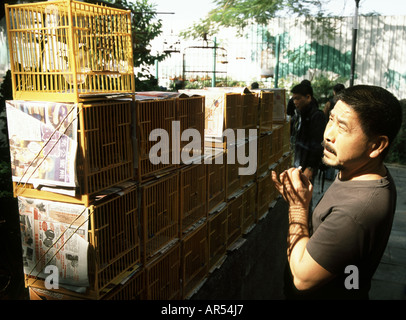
[{"x": 288, "y": 50}]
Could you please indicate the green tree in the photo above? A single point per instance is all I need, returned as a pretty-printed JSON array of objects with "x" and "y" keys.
[
  {"x": 397, "y": 153},
  {"x": 323, "y": 87},
  {"x": 240, "y": 13},
  {"x": 6, "y": 186},
  {"x": 145, "y": 28},
  {"x": 6, "y": 93}
]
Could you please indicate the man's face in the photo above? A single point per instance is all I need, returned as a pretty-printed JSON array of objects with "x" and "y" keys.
[
  {"x": 346, "y": 147},
  {"x": 301, "y": 101}
]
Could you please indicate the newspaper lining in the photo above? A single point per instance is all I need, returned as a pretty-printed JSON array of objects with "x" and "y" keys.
[
  {"x": 43, "y": 142},
  {"x": 55, "y": 233}
]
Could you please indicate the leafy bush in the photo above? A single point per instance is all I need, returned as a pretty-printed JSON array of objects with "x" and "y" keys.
[
  {"x": 397, "y": 153},
  {"x": 5, "y": 169},
  {"x": 6, "y": 187}
]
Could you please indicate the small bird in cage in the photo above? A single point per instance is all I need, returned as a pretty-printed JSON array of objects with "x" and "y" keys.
[{"x": 82, "y": 59}]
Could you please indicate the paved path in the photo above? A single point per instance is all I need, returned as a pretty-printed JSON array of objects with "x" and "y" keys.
[{"x": 389, "y": 281}]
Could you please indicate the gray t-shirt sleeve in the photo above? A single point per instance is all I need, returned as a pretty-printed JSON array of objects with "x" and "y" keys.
[{"x": 337, "y": 242}]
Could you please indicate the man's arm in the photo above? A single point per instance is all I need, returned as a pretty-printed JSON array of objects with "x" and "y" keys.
[{"x": 297, "y": 190}]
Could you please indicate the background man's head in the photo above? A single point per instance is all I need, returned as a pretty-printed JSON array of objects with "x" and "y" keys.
[{"x": 302, "y": 95}]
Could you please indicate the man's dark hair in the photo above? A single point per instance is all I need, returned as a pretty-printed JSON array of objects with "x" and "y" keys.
[
  {"x": 379, "y": 111},
  {"x": 338, "y": 88},
  {"x": 306, "y": 82},
  {"x": 302, "y": 89},
  {"x": 254, "y": 85}
]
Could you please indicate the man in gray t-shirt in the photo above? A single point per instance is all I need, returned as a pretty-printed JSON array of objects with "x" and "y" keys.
[
  {"x": 351, "y": 227},
  {"x": 352, "y": 222}
]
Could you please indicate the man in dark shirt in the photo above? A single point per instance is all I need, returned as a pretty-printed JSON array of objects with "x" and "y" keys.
[
  {"x": 307, "y": 131},
  {"x": 353, "y": 220}
]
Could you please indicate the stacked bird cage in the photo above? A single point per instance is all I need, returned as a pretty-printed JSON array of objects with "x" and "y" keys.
[{"x": 70, "y": 144}]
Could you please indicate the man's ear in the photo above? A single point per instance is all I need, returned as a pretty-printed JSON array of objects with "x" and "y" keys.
[{"x": 378, "y": 145}]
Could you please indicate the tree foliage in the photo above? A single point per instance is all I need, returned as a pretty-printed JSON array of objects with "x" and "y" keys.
[
  {"x": 5, "y": 169},
  {"x": 240, "y": 13},
  {"x": 145, "y": 28},
  {"x": 397, "y": 152}
]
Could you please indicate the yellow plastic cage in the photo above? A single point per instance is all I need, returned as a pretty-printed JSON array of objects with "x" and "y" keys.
[{"x": 68, "y": 50}]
